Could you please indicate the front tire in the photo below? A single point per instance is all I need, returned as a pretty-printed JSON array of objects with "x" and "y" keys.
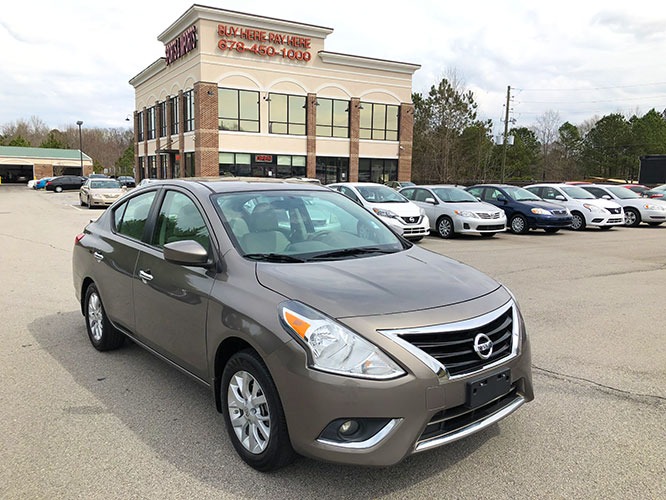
[
  {"x": 103, "y": 335},
  {"x": 631, "y": 217},
  {"x": 253, "y": 413},
  {"x": 518, "y": 224},
  {"x": 578, "y": 223},
  {"x": 445, "y": 227}
]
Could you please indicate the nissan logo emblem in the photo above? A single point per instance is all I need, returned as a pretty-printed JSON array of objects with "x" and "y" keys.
[
  {"x": 483, "y": 346},
  {"x": 412, "y": 219}
]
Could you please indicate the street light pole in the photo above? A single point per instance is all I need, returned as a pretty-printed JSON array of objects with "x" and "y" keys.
[{"x": 79, "y": 123}]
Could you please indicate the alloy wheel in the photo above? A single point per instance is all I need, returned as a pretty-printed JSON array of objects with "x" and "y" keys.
[
  {"x": 95, "y": 317},
  {"x": 248, "y": 412},
  {"x": 445, "y": 228}
]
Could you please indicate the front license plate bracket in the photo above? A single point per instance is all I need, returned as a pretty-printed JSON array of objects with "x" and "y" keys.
[{"x": 484, "y": 390}]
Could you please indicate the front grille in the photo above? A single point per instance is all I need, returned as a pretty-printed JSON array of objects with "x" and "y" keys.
[
  {"x": 454, "y": 347},
  {"x": 411, "y": 220},
  {"x": 615, "y": 210},
  {"x": 559, "y": 212},
  {"x": 490, "y": 227},
  {"x": 488, "y": 215},
  {"x": 448, "y": 421},
  {"x": 615, "y": 221}
]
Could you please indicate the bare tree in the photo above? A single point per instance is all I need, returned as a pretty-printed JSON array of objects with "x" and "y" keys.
[{"x": 546, "y": 130}]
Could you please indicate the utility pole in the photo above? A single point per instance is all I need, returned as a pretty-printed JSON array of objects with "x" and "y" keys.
[{"x": 506, "y": 130}]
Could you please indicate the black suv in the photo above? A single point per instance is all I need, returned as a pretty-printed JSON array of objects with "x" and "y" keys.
[{"x": 63, "y": 182}]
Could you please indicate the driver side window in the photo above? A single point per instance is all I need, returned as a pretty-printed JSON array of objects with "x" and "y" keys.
[{"x": 179, "y": 219}]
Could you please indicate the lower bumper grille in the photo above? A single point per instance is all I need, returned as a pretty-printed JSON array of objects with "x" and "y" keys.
[{"x": 491, "y": 227}]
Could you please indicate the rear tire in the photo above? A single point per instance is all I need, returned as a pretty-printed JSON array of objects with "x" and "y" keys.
[
  {"x": 103, "y": 335},
  {"x": 58, "y": 189},
  {"x": 253, "y": 413}
]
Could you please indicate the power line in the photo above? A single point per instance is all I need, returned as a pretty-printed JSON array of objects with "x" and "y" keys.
[{"x": 591, "y": 88}]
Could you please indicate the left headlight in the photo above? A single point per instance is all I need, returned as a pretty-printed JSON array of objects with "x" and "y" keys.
[
  {"x": 649, "y": 206},
  {"x": 465, "y": 213},
  {"x": 594, "y": 208},
  {"x": 385, "y": 213},
  {"x": 541, "y": 211},
  {"x": 334, "y": 348}
]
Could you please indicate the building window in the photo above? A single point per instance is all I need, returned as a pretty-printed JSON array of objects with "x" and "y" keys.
[
  {"x": 235, "y": 164},
  {"x": 189, "y": 164},
  {"x": 151, "y": 123},
  {"x": 286, "y": 114},
  {"x": 332, "y": 169},
  {"x": 377, "y": 170},
  {"x": 152, "y": 167},
  {"x": 379, "y": 122},
  {"x": 188, "y": 110},
  {"x": 161, "y": 115},
  {"x": 173, "y": 126},
  {"x": 163, "y": 161},
  {"x": 142, "y": 173},
  {"x": 139, "y": 131},
  {"x": 238, "y": 110},
  {"x": 261, "y": 165},
  {"x": 332, "y": 118}
]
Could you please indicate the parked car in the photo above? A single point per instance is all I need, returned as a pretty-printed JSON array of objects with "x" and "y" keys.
[
  {"x": 656, "y": 192},
  {"x": 585, "y": 209},
  {"x": 636, "y": 209},
  {"x": 389, "y": 205},
  {"x": 98, "y": 176},
  {"x": 97, "y": 192},
  {"x": 64, "y": 182},
  {"x": 344, "y": 344},
  {"x": 147, "y": 180},
  {"x": 636, "y": 188},
  {"x": 127, "y": 181},
  {"x": 399, "y": 184},
  {"x": 524, "y": 210},
  {"x": 41, "y": 183},
  {"x": 452, "y": 210}
]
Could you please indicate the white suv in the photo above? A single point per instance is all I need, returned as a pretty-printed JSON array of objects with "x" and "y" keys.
[
  {"x": 585, "y": 208},
  {"x": 389, "y": 205}
]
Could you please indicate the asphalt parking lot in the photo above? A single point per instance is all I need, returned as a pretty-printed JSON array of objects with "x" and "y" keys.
[{"x": 76, "y": 423}]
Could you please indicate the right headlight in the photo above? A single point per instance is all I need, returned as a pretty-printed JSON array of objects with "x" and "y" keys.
[{"x": 333, "y": 347}]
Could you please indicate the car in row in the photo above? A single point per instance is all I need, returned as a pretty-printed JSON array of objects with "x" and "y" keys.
[
  {"x": 102, "y": 192},
  {"x": 636, "y": 208}
]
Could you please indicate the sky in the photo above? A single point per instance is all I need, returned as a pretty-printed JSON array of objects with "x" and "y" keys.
[{"x": 72, "y": 60}]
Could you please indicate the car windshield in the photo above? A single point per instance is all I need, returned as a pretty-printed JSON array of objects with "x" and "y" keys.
[
  {"x": 622, "y": 193},
  {"x": 454, "y": 195},
  {"x": 577, "y": 193},
  {"x": 381, "y": 194},
  {"x": 520, "y": 194},
  {"x": 299, "y": 226},
  {"x": 104, "y": 184}
]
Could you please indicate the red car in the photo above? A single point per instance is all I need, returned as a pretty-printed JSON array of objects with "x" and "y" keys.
[{"x": 656, "y": 192}]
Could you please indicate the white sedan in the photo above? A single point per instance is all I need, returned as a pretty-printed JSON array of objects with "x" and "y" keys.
[{"x": 636, "y": 208}]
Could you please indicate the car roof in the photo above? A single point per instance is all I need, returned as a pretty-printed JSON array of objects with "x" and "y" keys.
[{"x": 236, "y": 184}]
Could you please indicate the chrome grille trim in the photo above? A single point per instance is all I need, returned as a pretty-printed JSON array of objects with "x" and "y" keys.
[{"x": 398, "y": 336}]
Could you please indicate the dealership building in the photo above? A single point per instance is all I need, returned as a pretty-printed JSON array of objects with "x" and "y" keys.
[{"x": 246, "y": 95}]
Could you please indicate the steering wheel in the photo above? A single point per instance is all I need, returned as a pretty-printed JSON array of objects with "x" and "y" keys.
[{"x": 320, "y": 235}]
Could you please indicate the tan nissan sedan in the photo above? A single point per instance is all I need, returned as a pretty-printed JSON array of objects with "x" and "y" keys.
[{"x": 319, "y": 330}]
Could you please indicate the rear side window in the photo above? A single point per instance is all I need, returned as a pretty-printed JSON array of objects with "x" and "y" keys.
[{"x": 130, "y": 217}]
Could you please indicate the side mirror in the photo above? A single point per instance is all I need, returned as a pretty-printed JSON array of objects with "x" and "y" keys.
[
  {"x": 501, "y": 198},
  {"x": 186, "y": 252},
  {"x": 431, "y": 201},
  {"x": 559, "y": 197},
  {"x": 607, "y": 197}
]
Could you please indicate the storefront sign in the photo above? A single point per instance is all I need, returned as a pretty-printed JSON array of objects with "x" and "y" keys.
[
  {"x": 263, "y": 158},
  {"x": 264, "y": 43},
  {"x": 181, "y": 45}
]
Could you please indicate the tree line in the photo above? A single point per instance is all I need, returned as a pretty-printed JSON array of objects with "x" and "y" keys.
[
  {"x": 109, "y": 148},
  {"x": 452, "y": 145}
]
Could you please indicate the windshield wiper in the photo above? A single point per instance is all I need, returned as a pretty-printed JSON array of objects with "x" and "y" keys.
[
  {"x": 272, "y": 257},
  {"x": 350, "y": 252}
]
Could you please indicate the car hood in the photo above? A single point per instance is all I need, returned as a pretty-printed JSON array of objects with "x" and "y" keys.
[
  {"x": 478, "y": 206},
  {"x": 547, "y": 205},
  {"x": 410, "y": 280},
  {"x": 112, "y": 191},
  {"x": 401, "y": 209}
]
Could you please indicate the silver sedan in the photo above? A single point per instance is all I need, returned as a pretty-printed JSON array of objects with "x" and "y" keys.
[{"x": 452, "y": 210}]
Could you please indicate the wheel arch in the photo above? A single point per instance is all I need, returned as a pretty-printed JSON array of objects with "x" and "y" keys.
[
  {"x": 84, "y": 286},
  {"x": 227, "y": 348}
]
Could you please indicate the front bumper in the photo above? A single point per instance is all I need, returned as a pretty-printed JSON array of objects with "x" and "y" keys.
[
  {"x": 476, "y": 225},
  {"x": 103, "y": 201},
  {"x": 421, "y": 410},
  {"x": 653, "y": 215},
  {"x": 601, "y": 219},
  {"x": 550, "y": 222}
]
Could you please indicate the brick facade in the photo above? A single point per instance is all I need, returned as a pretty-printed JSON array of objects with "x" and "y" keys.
[
  {"x": 311, "y": 124},
  {"x": 406, "y": 136},
  {"x": 206, "y": 138},
  {"x": 354, "y": 126}
]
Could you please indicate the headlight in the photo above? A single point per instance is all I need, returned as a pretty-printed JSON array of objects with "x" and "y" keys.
[
  {"x": 594, "y": 208},
  {"x": 333, "y": 347},
  {"x": 385, "y": 213},
  {"x": 659, "y": 208},
  {"x": 465, "y": 213},
  {"x": 541, "y": 211}
]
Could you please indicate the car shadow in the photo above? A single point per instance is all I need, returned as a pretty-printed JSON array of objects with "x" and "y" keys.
[{"x": 176, "y": 417}]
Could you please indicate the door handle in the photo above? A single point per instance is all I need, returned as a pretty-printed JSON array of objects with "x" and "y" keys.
[
  {"x": 145, "y": 276},
  {"x": 98, "y": 256}
]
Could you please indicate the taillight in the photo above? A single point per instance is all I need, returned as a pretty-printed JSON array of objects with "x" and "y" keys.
[{"x": 78, "y": 238}]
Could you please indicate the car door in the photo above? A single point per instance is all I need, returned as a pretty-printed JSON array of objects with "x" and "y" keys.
[
  {"x": 171, "y": 300},
  {"x": 420, "y": 195}
]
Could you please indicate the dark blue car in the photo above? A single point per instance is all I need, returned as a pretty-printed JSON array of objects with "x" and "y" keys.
[{"x": 524, "y": 210}]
